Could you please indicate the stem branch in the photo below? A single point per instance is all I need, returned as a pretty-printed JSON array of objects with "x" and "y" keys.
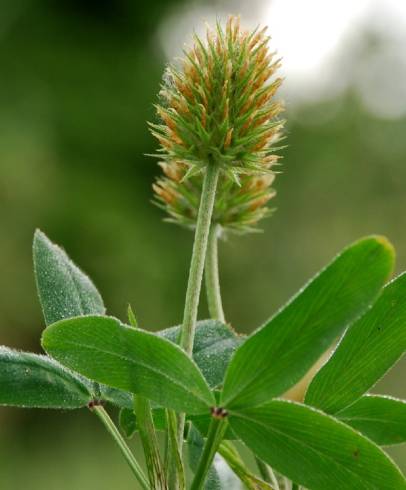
[
  {"x": 125, "y": 450},
  {"x": 214, "y": 437},
  {"x": 198, "y": 257},
  {"x": 142, "y": 409},
  {"x": 212, "y": 276},
  {"x": 175, "y": 465},
  {"x": 187, "y": 333}
]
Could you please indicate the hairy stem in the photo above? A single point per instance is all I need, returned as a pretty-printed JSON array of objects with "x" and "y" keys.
[
  {"x": 198, "y": 257},
  {"x": 125, "y": 450},
  {"x": 212, "y": 276},
  {"x": 213, "y": 292},
  {"x": 187, "y": 334},
  {"x": 176, "y": 472},
  {"x": 214, "y": 437},
  {"x": 142, "y": 409}
]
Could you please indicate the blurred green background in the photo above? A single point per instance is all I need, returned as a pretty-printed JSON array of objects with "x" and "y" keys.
[{"x": 78, "y": 80}]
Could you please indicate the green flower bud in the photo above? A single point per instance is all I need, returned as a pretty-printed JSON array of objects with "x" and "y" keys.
[{"x": 219, "y": 109}]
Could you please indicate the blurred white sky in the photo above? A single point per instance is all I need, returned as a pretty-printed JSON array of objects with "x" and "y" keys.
[{"x": 326, "y": 45}]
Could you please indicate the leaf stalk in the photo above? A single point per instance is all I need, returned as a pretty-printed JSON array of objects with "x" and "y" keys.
[
  {"x": 196, "y": 270},
  {"x": 142, "y": 409},
  {"x": 125, "y": 450},
  {"x": 215, "y": 435}
]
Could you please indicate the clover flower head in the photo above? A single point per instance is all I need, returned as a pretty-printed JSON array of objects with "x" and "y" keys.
[{"x": 219, "y": 108}]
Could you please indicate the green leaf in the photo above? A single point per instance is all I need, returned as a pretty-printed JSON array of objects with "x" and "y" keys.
[
  {"x": 213, "y": 347},
  {"x": 159, "y": 416},
  {"x": 381, "y": 418},
  {"x": 34, "y": 381},
  {"x": 119, "y": 398},
  {"x": 109, "y": 352},
  {"x": 314, "y": 449},
  {"x": 279, "y": 354},
  {"x": 64, "y": 290},
  {"x": 368, "y": 349},
  {"x": 220, "y": 476},
  {"x": 132, "y": 319},
  {"x": 128, "y": 422}
]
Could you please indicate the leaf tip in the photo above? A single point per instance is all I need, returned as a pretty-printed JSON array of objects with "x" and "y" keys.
[
  {"x": 39, "y": 235},
  {"x": 43, "y": 339},
  {"x": 389, "y": 249},
  {"x": 382, "y": 240},
  {"x": 40, "y": 241}
]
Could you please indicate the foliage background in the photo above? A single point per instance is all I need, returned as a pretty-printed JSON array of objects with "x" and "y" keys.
[{"x": 78, "y": 79}]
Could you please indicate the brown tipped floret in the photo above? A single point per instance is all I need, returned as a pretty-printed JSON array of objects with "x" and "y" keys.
[{"x": 218, "y": 108}]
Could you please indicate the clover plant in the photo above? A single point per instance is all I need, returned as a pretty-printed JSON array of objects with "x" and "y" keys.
[{"x": 208, "y": 389}]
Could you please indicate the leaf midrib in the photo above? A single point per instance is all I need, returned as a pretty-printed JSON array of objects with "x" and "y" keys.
[
  {"x": 45, "y": 364},
  {"x": 131, "y": 361},
  {"x": 280, "y": 349},
  {"x": 309, "y": 318},
  {"x": 372, "y": 419},
  {"x": 318, "y": 452}
]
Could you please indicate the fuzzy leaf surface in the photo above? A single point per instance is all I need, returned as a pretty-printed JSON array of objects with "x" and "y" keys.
[
  {"x": 35, "y": 381},
  {"x": 366, "y": 352},
  {"x": 119, "y": 398},
  {"x": 64, "y": 290},
  {"x": 129, "y": 359},
  {"x": 381, "y": 418},
  {"x": 214, "y": 345},
  {"x": 278, "y": 355},
  {"x": 314, "y": 449}
]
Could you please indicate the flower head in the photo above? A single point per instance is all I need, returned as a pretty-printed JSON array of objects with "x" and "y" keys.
[
  {"x": 219, "y": 108},
  {"x": 237, "y": 208}
]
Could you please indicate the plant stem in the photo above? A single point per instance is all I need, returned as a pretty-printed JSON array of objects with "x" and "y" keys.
[
  {"x": 213, "y": 292},
  {"x": 236, "y": 464},
  {"x": 167, "y": 455},
  {"x": 187, "y": 333},
  {"x": 267, "y": 473},
  {"x": 125, "y": 450},
  {"x": 212, "y": 276},
  {"x": 214, "y": 437},
  {"x": 142, "y": 409},
  {"x": 176, "y": 472},
  {"x": 198, "y": 257}
]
